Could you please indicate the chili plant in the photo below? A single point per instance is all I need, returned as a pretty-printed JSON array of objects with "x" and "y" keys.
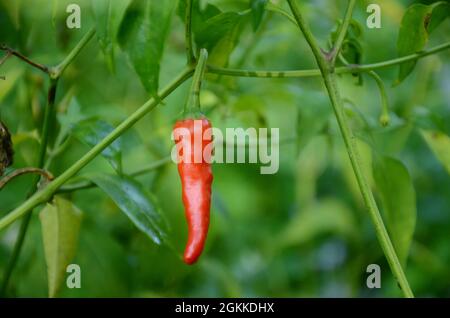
[{"x": 119, "y": 50}]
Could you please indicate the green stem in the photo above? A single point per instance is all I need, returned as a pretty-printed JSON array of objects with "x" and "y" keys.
[
  {"x": 48, "y": 113},
  {"x": 342, "y": 32},
  {"x": 45, "y": 194},
  {"x": 88, "y": 184},
  {"x": 309, "y": 37},
  {"x": 351, "y": 68},
  {"x": 274, "y": 8},
  {"x": 329, "y": 78},
  {"x": 58, "y": 70},
  {"x": 384, "y": 116},
  {"x": 22, "y": 171},
  {"x": 193, "y": 101},
  {"x": 352, "y": 149},
  {"x": 54, "y": 74},
  {"x": 188, "y": 33}
]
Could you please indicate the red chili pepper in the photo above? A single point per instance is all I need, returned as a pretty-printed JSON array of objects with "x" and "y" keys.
[{"x": 196, "y": 179}]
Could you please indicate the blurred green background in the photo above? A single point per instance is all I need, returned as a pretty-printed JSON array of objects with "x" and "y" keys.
[{"x": 302, "y": 232}]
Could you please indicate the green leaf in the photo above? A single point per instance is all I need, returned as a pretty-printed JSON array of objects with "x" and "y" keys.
[
  {"x": 199, "y": 13},
  {"x": 138, "y": 204},
  {"x": 60, "y": 223},
  {"x": 214, "y": 30},
  {"x": 391, "y": 140},
  {"x": 92, "y": 131},
  {"x": 220, "y": 35},
  {"x": 398, "y": 199},
  {"x": 441, "y": 10},
  {"x": 108, "y": 17},
  {"x": 258, "y": 7},
  {"x": 417, "y": 23},
  {"x": 440, "y": 145},
  {"x": 142, "y": 35}
]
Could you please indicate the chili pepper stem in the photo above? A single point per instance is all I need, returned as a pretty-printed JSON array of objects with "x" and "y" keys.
[{"x": 192, "y": 106}]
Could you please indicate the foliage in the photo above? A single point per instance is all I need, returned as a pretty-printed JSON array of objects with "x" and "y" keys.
[{"x": 301, "y": 232}]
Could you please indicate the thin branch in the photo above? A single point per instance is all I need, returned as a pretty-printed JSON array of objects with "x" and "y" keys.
[
  {"x": 88, "y": 184},
  {"x": 9, "y": 51},
  {"x": 48, "y": 112},
  {"x": 45, "y": 194},
  {"x": 329, "y": 78},
  {"x": 16, "y": 173},
  {"x": 56, "y": 72},
  {"x": 384, "y": 116},
  {"x": 188, "y": 32},
  {"x": 309, "y": 37},
  {"x": 342, "y": 32},
  {"x": 4, "y": 58},
  {"x": 351, "y": 68}
]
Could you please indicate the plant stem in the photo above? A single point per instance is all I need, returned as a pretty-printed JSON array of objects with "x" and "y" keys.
[
  {"x": 57, "y": 71},
  {"x": 193, "y": 101},
  {"x": 19, "y": 172},
  {"x": 54, "y": 74},
  {"x": 48, "y": 112},
  {"x": 4, "y": 58},
  {"x": 45, "y": 194},
  {"x": 351, "y": 68},
  {"x": 329, "y": 78},
  {"x": 384, "y": 116},
  {"x": 352, "y": 149},
  {"x": 275, "y": 8},
  {"x": 88, "y": 184},
  {"x": 342, "y": 32},
  {"x": 9, "y": 51},
  {"x": 309, "y": 37},
  {"x": 188, "y": 33}
]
